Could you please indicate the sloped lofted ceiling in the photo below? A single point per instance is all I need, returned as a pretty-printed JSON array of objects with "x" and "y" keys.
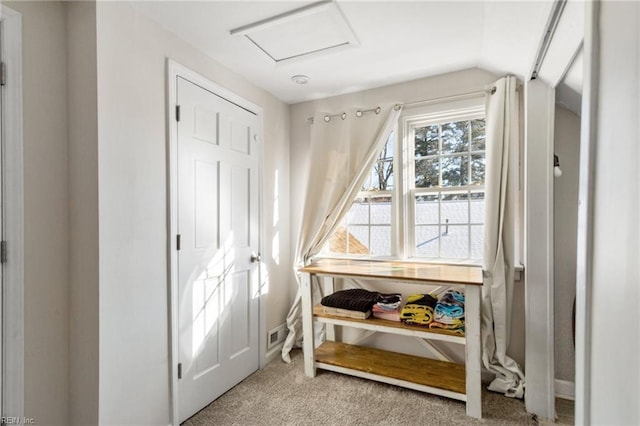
[{"x": 399, "y": 41}]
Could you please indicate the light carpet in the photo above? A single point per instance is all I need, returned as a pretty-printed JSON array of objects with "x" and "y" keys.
[{"x": 280, "y": 394}]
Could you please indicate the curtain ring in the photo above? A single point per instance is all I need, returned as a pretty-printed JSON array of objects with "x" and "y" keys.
[
  {"x": 378, "y": 110},
  {"x": 327, "y": 118},
  {"x": 358, "y": 113},
  {"x": 344, "y": 115}
]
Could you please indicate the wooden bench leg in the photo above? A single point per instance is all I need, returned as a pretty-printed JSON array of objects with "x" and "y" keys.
[
  {"x": 307, "y": 326},
  {"x": 473, "y": 350}
]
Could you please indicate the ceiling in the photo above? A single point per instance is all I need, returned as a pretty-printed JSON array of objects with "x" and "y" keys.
[{"x": 398, "y": 41}]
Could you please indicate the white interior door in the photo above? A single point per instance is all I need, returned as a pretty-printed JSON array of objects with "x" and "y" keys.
[
  {"x": 218, "y": 224},
  {"x": 2, "y": 224}
]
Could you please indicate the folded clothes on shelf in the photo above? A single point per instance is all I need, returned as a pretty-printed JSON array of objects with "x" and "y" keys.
[
  {"x": 346, "y": 313},
  {"x": 449, "y": 312},
  {"x": 351, "y": 303},
  {"x": 419, "y": 309},
  {"x": 353, "y": 299},
  {"x": 388, "y": 307},
  {"x": 456, "y": 329}
]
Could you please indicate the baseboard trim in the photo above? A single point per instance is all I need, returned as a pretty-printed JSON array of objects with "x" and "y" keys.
[
  {"x": 274, "y": 353},
  {"x": 565, "y": 389}
]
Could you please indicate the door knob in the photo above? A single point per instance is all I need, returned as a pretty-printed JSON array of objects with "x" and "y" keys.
[{"x": 255, "y": 257}]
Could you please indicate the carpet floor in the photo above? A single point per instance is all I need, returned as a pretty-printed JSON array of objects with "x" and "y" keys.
[{"x": 280, "y": 394}]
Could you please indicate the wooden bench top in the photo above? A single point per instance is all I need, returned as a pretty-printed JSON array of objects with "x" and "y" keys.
[{"x": 404, "y": 271}]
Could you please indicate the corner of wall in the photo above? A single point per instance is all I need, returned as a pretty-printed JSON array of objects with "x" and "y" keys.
[{"x": 83, "y": 213}]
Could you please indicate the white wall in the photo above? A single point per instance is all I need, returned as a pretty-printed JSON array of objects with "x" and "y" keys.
[
  {"x": 83, "y": 212},
  {"x": 615, "y": 315},
  {"x": 134, "y": 370},
  {"x": 565, "y": 214},
  {"x": 46, "y": 224},
  {"x": 426, "y": 88}
]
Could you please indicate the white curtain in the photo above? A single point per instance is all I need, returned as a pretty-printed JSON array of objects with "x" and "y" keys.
[
  {"x": 341, "y": 154},
  {"x": 501, "y": 201}
]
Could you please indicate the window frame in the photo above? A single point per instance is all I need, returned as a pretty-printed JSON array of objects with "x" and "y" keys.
[
  {"x": 419, "y": 119},
  {"x": 404, "y": 191}
]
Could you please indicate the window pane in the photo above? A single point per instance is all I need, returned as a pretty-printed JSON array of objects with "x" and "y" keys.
[
  {"x": 477, "y": 241},
  {"x": 344, "y": 242},
  {"x": 381, "y": 210},
  {"x": 427, "y": 241},
  {"x": 381, "y": 177},
  {"x": 455, "y": 137},
  {"x": 381, "y": 240},
  {"x": 359, "y": 212},
  {"x": 426, "y": 141},
  {"x": 478, "y": 135},
  {"x": 427, "y": 173},
  {"x": 455, "y": 242},
  {"x": 455, "y": 207},
  {"x": 360, "y": 234},
  {"x": 338, "y": 241},
  {"x": 477, "y": 207},
  {"x": 381, "y": 174},
  {"x": 477, "y": 169},
  {"x": 455, "y": 171},
  {"x": 427, "y": 209}
]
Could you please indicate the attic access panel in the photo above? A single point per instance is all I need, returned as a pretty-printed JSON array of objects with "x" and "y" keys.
[{"x": 311, "y": 30}]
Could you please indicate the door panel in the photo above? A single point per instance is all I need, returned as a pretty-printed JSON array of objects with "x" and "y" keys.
[
  {"x": 206, "y": 205},
  {"x": 218, "y": 223},
  {"x": 240, "y": 317}
]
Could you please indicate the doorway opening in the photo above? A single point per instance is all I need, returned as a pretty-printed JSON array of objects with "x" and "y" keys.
[{"x": 216, "y": 297}]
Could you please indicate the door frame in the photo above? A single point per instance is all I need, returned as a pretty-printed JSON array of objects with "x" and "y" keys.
[
  {"x": 12, "y": 193},
  {"x": 175, "y": 70},
  {"x": 584, "y": 261}
]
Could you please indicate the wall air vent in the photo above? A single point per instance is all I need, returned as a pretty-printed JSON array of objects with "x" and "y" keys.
[{"x": 312, "y": 30}]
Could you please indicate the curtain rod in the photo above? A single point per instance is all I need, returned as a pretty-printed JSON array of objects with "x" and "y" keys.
[
  {"x": 343, "y": 115},
  {"x": 477, "y": 93},
  {"x": 468, "y": 95}
]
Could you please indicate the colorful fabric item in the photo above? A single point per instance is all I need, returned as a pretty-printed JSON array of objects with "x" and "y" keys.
[
  {"x": 443, "y": 319},
  {"x": 446, "y": 310},
  {"x": 451, "y": 304},
  {"x": 419, "y": 309},
  {"x": 393, "y": 315},
  {"x": 456, "y": 329},
  {"x": 388, "y": 307},
  {"x": 449, "y": 312}
]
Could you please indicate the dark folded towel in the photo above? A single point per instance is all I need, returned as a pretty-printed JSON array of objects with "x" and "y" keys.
[
  {"x": 388, "y": 299},
  {"x": 354, "y": 299},
  {"x": 422, "y": 299}
]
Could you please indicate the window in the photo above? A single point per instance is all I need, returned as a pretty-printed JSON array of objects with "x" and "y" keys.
[
  {"x": 433, "y": 206},
  {"x": 366, "y": 229},
  {"x": 447, "y": 188}
]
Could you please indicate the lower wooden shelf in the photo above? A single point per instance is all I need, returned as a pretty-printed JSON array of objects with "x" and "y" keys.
[{"x": 396, "y": 368}]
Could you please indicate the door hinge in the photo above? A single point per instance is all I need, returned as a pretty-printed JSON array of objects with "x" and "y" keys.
[
  {"x": 3, "y": 74},
  {"x": 178, "y": 241},
  {"x": 177, "y": 112},
  {"x": 179, "y": 370},
  {"x": 3, "y": 252}
]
